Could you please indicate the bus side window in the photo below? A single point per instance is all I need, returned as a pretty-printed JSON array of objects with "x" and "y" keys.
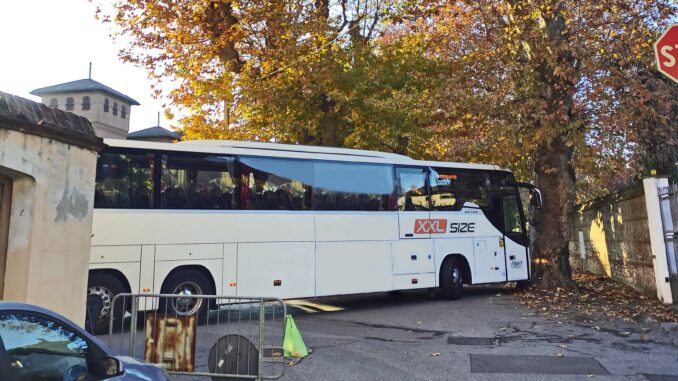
[
  {"x": 352, "y": 186},
  {"x": 124, "y": 180},
  {"x": 444, "y": 195},
  {"x": 411, "y": 189},
  {"x": 459, "y": 186},
  {"x": 275, "y": 184},
  {"x": 196, "y": 182},
  {"x": 511, "y": 212}
]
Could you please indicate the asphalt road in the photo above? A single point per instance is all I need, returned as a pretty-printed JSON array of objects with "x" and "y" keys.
[{"x": 483, "y": 336}]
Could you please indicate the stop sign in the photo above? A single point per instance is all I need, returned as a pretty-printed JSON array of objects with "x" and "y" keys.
[{"x": 666, "y": 51}]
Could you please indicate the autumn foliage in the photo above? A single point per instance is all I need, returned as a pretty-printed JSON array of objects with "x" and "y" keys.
[
  {"x": 563, "y": 92},
  {"x": 598, "y": 299}
]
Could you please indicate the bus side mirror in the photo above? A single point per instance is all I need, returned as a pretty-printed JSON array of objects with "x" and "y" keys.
[{"x": 535, "y": 198}]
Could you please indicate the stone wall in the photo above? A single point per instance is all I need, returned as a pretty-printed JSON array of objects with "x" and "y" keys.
[
  {"x": 617, "y": 241},
  {"x": 50, "y": 157}
]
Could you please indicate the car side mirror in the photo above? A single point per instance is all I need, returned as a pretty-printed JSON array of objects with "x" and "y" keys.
[
  {"x": 535, "y": 198},
  {"x": 111, "y": 366}
]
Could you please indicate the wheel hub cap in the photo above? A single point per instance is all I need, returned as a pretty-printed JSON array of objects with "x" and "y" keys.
[
  {"x": 187, "y": 306},
  {"x": 456, "y": 277},
  {"x": 106, "y": 297}
]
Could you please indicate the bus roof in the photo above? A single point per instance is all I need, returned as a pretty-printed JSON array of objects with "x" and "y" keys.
[
  {"x": 276, "y": 147},
  {"x": 290, "y": 151}
]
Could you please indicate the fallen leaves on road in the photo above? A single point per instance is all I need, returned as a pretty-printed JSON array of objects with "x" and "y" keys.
[{"x": 598, "y": 298}]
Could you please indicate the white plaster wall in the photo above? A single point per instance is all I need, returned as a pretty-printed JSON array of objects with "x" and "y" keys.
[
  {"x": 106, "y": 125},
  {"x": 50, "y": 223}
]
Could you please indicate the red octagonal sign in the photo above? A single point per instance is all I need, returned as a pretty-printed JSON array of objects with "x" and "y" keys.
[{"x": 666, "y": 51}]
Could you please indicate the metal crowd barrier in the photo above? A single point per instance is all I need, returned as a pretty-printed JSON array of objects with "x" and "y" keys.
[{"x": 222, "y": 337}]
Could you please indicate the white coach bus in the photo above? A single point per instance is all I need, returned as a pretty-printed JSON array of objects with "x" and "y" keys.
[{"x": 249, "y": 219}]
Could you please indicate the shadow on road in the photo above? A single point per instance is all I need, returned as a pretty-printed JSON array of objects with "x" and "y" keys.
[
  {"x": 376, "y": 301},
  {"x": 334, "y": 304}
]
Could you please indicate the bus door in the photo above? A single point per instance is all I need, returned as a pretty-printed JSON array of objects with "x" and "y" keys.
[
  {"x": 412, "y": 203},
  {"x": 413, "y": 252},
  {"x": 473, "y": 216},
  {"x": 515, "y": 238}
]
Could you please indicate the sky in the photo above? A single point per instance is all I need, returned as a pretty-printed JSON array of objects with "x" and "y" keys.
[{"x": 47, "y": 42}]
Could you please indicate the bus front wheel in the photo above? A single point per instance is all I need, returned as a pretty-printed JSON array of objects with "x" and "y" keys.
[
  {"x": 187, "y": 282},
  {"x": 101, "y": 288},
  {"x": 451, "y": 279}
]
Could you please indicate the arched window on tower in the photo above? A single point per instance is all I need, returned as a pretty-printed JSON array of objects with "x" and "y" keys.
[
  {"x": 70, "y": 104},
  {"x": 123, "y": 111},
  {"x": 115, "y": 108},
  {"x": 86, "y": 103},
  {"x": 106, "y": 104},
  {"x": 53, "y": 103}
]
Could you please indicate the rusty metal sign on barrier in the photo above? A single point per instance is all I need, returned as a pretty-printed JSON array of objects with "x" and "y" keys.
[
  {"x": 170, "y": 341},
  {"x": 229, "y": 338}
]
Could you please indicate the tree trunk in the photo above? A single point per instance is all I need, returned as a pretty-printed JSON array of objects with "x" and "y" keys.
[
  {"x": 555, "y": 177},
  {"x": 328, "y": 131},
  {"x": 553, "y": 169},
  {"x": 220, "y": 19},
  {"x": 327, "y": 128}
]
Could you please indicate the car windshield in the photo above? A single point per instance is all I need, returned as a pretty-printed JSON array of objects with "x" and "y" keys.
[{"x": 35, "y": 333}]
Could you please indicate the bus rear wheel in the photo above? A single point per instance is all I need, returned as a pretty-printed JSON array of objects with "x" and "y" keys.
[
  {"x": 188, "y": 282},
  {"x": 452, "y": 279},
  {"x": 101, "y": 289}
]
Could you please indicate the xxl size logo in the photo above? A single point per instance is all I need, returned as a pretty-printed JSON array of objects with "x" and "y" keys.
[
  {"x": 463, "y": 227},
  {"x": 434, "y": 226}
]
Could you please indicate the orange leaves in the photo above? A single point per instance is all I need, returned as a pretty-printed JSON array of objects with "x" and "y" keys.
[
  {"x": 460, "y": 80},
  {"x": 589, "y": 79}
]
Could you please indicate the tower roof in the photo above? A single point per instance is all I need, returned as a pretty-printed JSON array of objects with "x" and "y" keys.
[{"x": 82, "y": 85}]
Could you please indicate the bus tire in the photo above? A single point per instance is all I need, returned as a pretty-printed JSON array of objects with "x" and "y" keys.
[
  {"x": 188, "y": 282},
  {"x": 102, "y": 287},
  {"x": 523, "y": 285},
  {"x": 451, "y": 279}
]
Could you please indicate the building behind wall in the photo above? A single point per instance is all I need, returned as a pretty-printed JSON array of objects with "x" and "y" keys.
[
  {"x": 155, "y": 134},
  {"x": 107, "y": 109}
]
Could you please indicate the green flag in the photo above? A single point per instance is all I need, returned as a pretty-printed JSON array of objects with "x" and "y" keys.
[{"x": 293, "y": 344}]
